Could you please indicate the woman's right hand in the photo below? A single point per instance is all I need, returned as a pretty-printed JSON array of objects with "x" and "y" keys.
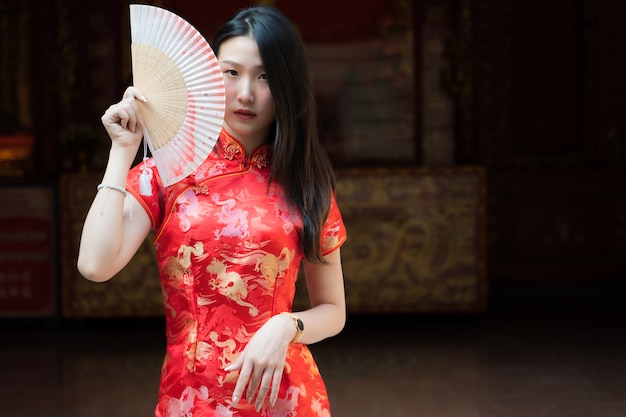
[
  {"x": 112, "y": 234},
  {"x": 123, "y": 121}
]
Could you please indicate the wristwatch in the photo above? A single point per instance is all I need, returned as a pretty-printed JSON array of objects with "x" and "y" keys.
[{"x": 299, "y": 326}]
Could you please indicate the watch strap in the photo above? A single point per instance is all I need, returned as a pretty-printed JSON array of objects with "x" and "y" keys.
[{"x": 299, "y": 326}]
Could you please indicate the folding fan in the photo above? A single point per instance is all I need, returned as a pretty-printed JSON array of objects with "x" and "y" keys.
[{"x": 176, "y": 69}]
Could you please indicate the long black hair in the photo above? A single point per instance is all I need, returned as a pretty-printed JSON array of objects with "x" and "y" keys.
[{"x": 299, "y": 163}]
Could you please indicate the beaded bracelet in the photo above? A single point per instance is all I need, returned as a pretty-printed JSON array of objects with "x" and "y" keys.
[{"x": 113, "y": 187}]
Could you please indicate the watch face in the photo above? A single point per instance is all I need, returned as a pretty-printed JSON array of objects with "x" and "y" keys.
[{"x": 300, "y": 324}]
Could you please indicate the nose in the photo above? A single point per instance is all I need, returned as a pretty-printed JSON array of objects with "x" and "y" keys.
[{"x": 245, "y": 93}]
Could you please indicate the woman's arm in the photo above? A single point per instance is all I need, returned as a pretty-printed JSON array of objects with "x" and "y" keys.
[
  {"x": 262, "y": 362},
  {"x": 325, "y": 285},
  {"x": 110, "y": 236}
]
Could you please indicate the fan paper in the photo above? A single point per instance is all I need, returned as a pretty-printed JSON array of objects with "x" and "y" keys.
[{"x": 177, "y": 71}]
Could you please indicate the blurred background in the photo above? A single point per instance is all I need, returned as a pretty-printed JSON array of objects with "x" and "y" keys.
[{"x": 480, "y": 154}]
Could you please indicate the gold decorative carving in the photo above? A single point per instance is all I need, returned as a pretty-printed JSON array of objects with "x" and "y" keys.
[{"x": 416, "y": 239}]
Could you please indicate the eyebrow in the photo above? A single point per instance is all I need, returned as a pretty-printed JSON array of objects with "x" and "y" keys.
[{"x": 238, "y": 64}]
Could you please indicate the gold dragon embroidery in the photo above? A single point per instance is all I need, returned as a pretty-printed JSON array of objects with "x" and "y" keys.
[
  {"x": 271, "y": 266},
  {"x": 230, "y": 284}
]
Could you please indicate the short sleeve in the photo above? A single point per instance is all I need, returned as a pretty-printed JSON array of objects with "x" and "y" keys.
[
  {"x": 334, "y": 232},
  {"x": 153, "y": 203}
]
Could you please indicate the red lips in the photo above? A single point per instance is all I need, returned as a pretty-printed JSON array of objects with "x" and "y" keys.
[{"x": 246, "y": 114}]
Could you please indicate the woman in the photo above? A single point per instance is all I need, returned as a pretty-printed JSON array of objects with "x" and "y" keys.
[{"x": 230, "y": 237}]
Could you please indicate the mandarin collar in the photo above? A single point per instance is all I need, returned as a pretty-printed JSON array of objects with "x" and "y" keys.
[{"x": 233, "y": 149}]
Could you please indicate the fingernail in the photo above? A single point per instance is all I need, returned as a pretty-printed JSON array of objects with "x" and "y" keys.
[
  {"x": 143, "y": 98},
  {"x": 235, "y": 400}
]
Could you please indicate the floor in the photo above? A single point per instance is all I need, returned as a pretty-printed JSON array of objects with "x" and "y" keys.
[{"x": 483, "y": 365}]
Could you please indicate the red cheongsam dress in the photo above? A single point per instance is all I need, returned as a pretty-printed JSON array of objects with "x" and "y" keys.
[{"x": 228, "y": 255}]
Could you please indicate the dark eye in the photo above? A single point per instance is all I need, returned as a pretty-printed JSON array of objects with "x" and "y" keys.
[
  {"x": 263, "y": 76},
  {"x": 231, "y": 72}
]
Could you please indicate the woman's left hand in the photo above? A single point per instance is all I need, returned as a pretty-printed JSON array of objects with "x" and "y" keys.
[{"x": 262, "y": 361}]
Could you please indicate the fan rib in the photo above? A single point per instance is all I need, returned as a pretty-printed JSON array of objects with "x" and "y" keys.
[{"x": 176, "y": 69}]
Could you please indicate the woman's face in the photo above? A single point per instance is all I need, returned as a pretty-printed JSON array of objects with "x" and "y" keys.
[{"x": 250, "y": 107}]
